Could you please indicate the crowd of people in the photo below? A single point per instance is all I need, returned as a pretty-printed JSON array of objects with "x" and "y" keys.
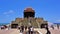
[
  {"x": 55, "y": 26},
  {"x": 4, "y": 27},
  {"x": 30, "y": 30},
  {"x": 25, "y": 29}
]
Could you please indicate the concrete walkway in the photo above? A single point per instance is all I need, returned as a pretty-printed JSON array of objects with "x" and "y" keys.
[
  {"x": 55, "y": 31},
  {"x": 42, "y": 31},
  {"x": 15, "y": 31},
  {"x": 11, "y": 31}
]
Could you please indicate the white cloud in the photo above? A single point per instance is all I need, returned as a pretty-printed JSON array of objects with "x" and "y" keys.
[
  {"x": 11, "y": 11},
  {"x": 8, "y": 12}
]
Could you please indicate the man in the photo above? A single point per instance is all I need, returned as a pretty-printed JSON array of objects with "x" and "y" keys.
[
  {"x": 30, "y": 30},
  {"x": 25, "y": 27},
  {"x": 22, "y": 28}
]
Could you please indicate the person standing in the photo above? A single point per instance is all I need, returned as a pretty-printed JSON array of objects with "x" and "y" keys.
[
  {"x": 58, "y": 26},
  {"x": 31, "y": 30},
  {"x": 52, "y": 26},
  {"x": 22, "y": 28},
  {"x": 48, "y": 32},
  {"x": 25, "y": 27}
]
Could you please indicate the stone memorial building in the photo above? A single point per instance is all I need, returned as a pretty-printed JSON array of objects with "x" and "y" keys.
[{"x": 29, "y": 20}]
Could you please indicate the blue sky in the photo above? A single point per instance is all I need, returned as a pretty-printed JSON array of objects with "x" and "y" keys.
[{"x": 48, "y": 9}]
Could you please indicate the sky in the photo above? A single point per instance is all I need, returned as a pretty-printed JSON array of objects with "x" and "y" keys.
[{"x": 47, "y": 9}]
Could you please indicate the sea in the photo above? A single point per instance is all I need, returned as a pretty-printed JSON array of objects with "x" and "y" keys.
[{"x": 1, "y": 24}]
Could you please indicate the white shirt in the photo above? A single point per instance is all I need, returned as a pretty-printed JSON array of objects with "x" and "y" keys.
[{"x": 31, "y": 28}]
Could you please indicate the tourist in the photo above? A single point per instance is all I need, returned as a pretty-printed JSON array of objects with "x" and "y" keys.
[
  {"x": 48, "y": 32},
  {"x": 52, "y": 27},
  {"x": 18, "y": 27},
  {"x": 25, "y": 27},
  {"x": 57, "y": 26},
  {"x": 22, "y": 28},
  {"x": 30, "y": 30},
  {"x": 2, "y": 27}
]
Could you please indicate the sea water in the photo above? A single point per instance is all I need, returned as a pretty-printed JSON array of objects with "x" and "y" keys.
[{"x": 1, "y": 24}]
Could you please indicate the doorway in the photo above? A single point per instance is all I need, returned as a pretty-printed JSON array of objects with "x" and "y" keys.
[{"x": 14, "y": 25}]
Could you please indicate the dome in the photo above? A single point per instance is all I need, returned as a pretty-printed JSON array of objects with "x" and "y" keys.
[{"x": 29, "y": 10}]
